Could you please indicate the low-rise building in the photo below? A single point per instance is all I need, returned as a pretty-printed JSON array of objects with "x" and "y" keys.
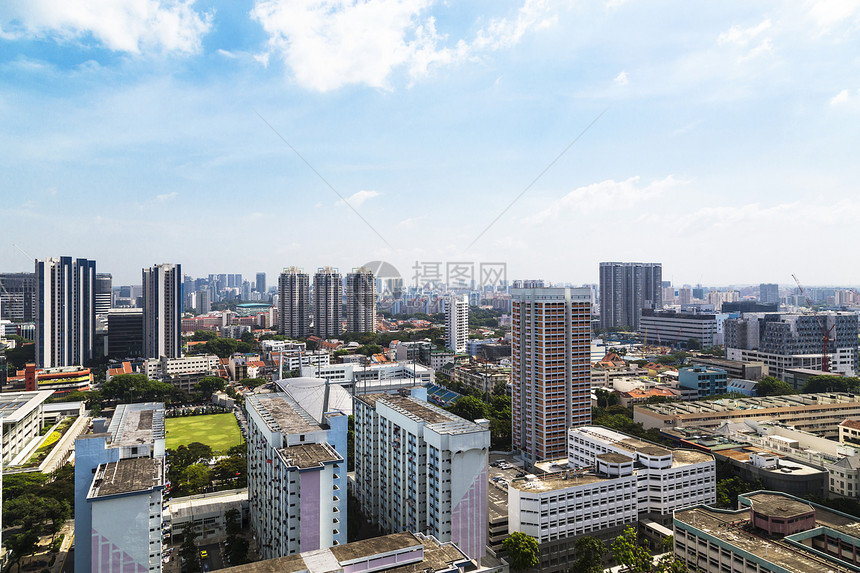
[
  {"x": 771, "y": 532},
  {"x": 59, "y": 380},
  {"x": 706, "y": 381},
  {"x": 183, "y": 373},
  {"x": 204, "y": 513},
  {"x": 482, "y": 377},
  {"x": 396, "y": 553},
  {"x": 818, "y": 414},
  {"x": 22, "y": 419},
  {"x": 373, "y": 377}
]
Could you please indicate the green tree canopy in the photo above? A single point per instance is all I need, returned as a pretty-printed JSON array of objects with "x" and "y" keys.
[
  {"x": 203, "y": 335},
  {"x": 829, "y": 383},
  {"x": 522, "y": 551},
  {"x": 771, "y": 386},
  {"x": 589, "y": 555},
  {"x": 470, "y": 407},
  {"x": 209, "y": 385},
  {"x": 627, "y": 551},
  {"x": 196, "y": 477}
]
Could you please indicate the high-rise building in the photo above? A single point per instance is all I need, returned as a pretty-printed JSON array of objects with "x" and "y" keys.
[
  {"x": 17, "y": 296},
  {"x": 360, "y": 301},
  {"x": 457, "y": 322},
  {"x": 768, "y": 292},
  {"x": 328, "y": 295},
  {"x": 119, "y": 484},
  {"x": 260, "y": 285},
  {"x": 65, "y": 311},
  {"x": 202, "y": 304},
  {"x": 627, "y": 288},
  {"x": 125, "y": 333},
  {"x": 104, "y": 293},
  {"x": 293, "y": 303},
  {"x": 162, "y": 311},
  {"x": 421, "y": 468},
  {"x": 296, "y": 473},
  {"x": 551, "y": 368}
]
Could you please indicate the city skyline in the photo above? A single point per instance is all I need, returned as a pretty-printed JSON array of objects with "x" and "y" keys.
[{"x": 725, "y": 130}]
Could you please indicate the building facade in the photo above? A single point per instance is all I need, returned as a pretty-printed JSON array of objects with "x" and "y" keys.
[
  {"x": 551, "y": 368},
  {"x": 768, "y": 293},
  {"x": 670, "y": 328},
  {"x": 421, "y": 468},
  {"x": 125, "y": 333},
  {"x": 294, "y": 303},
  {"x": 457, "y": 322},
  {"x": 65, "y": 311},
  {"x": 162, "y": 311},
  {"x": 705, "y": 381},
  {"x": 361, "y": 301},
  {"x": 104, "y": 293},
  {"x": 626, "y": 289},
  {"x": 296, "y": 476},
  {"x": 328, "y": 301},
  {"x": 17, "y": 297}
]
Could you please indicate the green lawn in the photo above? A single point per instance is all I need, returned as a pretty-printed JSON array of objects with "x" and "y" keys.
[{"x": 219, "y": 431}]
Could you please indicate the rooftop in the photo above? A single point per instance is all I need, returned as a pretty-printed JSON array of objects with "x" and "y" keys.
[
  {"x": 375, "y": 546},
  {"x": 14, "y": 406},
  {"x": 126, "y": 476},
  {"x": 764, "y": 403},
  {"x": 559, "y": 480},
  {"x": 614, "y": 458},
  {"x": 853, "y": 424},
  {"x": 779, "y": 505},
  {"x": 436, "y": 418},
  {"x": 282, "y": 414},
  {"x": 308, "y": 456},
  {"x": 134, "y": 424}
]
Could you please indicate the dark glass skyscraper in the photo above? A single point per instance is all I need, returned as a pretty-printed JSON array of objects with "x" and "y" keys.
[{"x": 627, "y": 288}]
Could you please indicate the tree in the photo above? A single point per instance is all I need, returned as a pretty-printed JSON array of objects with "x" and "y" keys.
[
  {"x": 469, "y": 407},
  {"x": 231, "y": 470},
  {"x": 196, "y": 477},
  {"x": 522, "y": 551},
  {"x": 668, "y": 563},
  {"x": 209, "y": 385},
  {"x": 627, "y": 551},
  {"x": 694, "y": 344},
  {"x": 500, "y": 388},
  {"x": 22, "y": 544},
  {"x": 589, "y": 555},
  {"x": 770, "y": 386},
  {"x": 253, "y": 382},
  {"x": 203, "y": 335},
  {"x": 231, "y": 522},
  {"x": 828, "y": 383},
  {"x": 188, "y": 551}
]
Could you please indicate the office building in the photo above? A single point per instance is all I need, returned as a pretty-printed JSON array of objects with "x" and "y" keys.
[
  {"x": 65, "y": 311},
  {"x": 551, "y": 368},
  {"x": 328, "y": 295},
  {"x": 768, "y": 293},
  {"x": 260, "y": 283},
  {"x": 787, "y": 341},
  {"x": 125, "y": 333},
  {"x": 771, "y": 532},
  {"x": 296, "y": 474},
  {"x": 17, "y": 297},
  {"x": 162, "y": 311},
  {"x": 202, "y": 302},
  {"x": 395, "y": 553},
  {"x": 705, "y": 381},
  {"x": 457, "y": 323},
  {"x": 360, "y": 301},
  {"x": 420, "y": 468},
  {"x": 818, "y": 414},
  {"x": 626, "y": 289},
  {"x": 119, "y": 484},
  {"x": 671, "y": 328},
  {"x": 104, "y": 293},
  {"x": 294, "y": 303},
  {"x": 746, "y": 306}
]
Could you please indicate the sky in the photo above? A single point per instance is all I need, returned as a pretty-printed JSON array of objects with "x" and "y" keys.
[{"x": 719, "y": 138}]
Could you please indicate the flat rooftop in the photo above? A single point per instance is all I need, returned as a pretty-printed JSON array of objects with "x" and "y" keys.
[
  {"x": 282, "y": 414},
  {"x": 560, "y": 480},
  {"x": 14, "y": 406},
  {"x": 136, "y": 424},
  {"x": 374, "y": 546},
  {"x": 614, "y": 458},
  {"x": 727, "y": 526},
  {"x": 306, "y": 456},
  {"x": 769, "y": 504},
  {"x": 764, "y": 403},
  {"x": 126, "y": 476},
  {"x": 434, "y": 417}
]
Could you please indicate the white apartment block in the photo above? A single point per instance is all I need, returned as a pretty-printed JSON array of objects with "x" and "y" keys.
[
  {"x": 271, "y": 346},
  {"x": 296, "y": 476},
  {"x": 421, "y": 468},
  {"x": 667, "y": 479},
  {"x": 295, "y": 360},
  {"x": 457, "y": 322},
  {"x": 162, "y": 368},
  {"x": 374, "y": 377},
  {"x": 22, "y": 419}
]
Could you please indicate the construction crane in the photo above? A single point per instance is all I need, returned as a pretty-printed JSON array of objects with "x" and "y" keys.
[{"x": 825, "y": 332}]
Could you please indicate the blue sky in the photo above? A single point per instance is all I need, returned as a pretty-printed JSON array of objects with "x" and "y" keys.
[{"x": 727, "y": 148}]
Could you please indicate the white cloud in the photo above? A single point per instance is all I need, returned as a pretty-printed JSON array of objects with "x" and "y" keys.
[
  {"x": 743, "y": 36},
  {"x": 840, "y": 98},
  {"x": 126, "y": 26},
  {"x": 165, "y": 197},
  {"x": 621, "y": 79},
  {"x": 828, "y": 14},
  {"x": 328, "y": 44},
  {"x": 359, "y": 197},
  {"x": 609, "y": 194}
]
